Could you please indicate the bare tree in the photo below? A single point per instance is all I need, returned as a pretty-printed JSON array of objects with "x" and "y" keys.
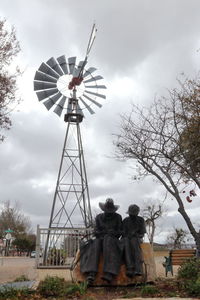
[
  {"x": 151, "y": 212},
  {"x": 9, "y": 47},
  {"x": 12, "y": 218},
  {"x": 153, "y": 137},
  {"x": 178, "y": 238}
]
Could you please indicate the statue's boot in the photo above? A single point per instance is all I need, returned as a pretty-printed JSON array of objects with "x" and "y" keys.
[
  {"x": 137, "y": 273},
  {"x": 108, "y": 277},
  {"x": 138, "y": 270},
  {"x": 130, "y": 272},
  {"x": 90, "y": 278}
]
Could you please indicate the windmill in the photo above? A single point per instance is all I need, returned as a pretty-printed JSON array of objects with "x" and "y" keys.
[{"x": 69, "y": 89}]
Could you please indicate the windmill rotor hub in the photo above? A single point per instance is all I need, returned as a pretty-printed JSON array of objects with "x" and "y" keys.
[
  {"x": 66, "y": 84},
  {"x": 76, "y": 81}
]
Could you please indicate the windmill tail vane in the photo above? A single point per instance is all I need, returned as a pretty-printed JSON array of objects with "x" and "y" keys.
[
  {"x": 76, "y": 81},
  {"x": 91, "y": 40}
]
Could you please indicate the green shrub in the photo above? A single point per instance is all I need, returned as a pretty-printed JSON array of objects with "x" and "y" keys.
[
  {"x": 52, "y": 286},
  {"x": 190, "y": 270},
  {"x": 189, "y": 277},
  {"x": 21, "y": 278},
  {"x": 13, "y": 293},
  {"x": 171, "y": 294},
  {"x": 130, "y": 295},
  {"x": 193, "y": 288},
  {"x": 8, "y": 292},
  {"x": 76, "y": 288},
  {"x": 149, "y": 290}
]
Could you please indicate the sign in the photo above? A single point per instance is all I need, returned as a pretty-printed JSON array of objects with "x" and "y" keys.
[
  {"x": 8, "y": 236},
  {"x": 9, "y": 230}
]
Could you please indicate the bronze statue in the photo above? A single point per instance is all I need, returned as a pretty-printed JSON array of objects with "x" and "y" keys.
[
  {"x": 108, "y": 229},
  {"x": 133, "y": 232}
]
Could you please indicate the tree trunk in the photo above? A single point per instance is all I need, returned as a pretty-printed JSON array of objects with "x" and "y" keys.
[{"x": 152, "y": 233}]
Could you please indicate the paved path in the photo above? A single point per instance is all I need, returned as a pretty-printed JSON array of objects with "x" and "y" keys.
[{"x": 13, "y": 267}]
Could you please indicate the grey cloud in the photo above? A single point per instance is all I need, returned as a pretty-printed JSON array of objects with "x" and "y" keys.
[{"x": 148, "y": 43}]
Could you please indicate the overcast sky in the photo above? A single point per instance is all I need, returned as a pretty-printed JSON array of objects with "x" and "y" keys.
[{"x": 141, "y": 48}]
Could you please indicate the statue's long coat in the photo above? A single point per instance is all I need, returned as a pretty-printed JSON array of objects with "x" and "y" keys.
[
  {"x": 133, "y": 231},
  {"x": 108, "y": 229}
]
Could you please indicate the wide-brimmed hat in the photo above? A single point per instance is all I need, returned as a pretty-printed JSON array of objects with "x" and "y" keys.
[
  {"x": 108, "y": 206},
  {"x": 132, "y": 209}
]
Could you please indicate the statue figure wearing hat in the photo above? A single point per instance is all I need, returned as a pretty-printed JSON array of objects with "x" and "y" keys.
[
  {"x": 133, "y": 232},
  {"x": 108, "y": 229}
]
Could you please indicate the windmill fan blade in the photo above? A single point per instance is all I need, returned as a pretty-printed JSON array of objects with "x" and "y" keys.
[
  {"x": 93, "y": 101},
  {"x": 63, "y": 64},
  {"x": 72, "y": 62},
  {"x": 96, "y": 86},
  {"x": 39, "y": 85},
  {"x": 48, "y": 104},
  {"x": 46, "y": 93},
  {"x": 89, "y": 71},
  {"x": 52, "y": 100},
  {"x": 87, "y": 106},
  {"x": 59, "y": 108},
  {"x": 95, "y": 78},
  {"x": 47, "y": 70},
  {"x": 44, "y": 77},
  {"x": 54, "y": 65},
  {"x": 96, "y": 94}
]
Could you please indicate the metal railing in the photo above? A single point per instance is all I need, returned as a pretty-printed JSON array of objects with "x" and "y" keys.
[{"x": 57, "y": 247}]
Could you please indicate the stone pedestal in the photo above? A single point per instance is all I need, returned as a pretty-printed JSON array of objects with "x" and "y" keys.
[{"x": 148, "y": 267}]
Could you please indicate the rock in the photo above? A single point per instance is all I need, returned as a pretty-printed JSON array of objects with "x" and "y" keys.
[{"x": 121, "y": 280}]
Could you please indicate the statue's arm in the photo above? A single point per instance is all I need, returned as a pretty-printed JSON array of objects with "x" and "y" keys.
[
  {"x": 98, "y": 230},
  {"x": 142, "y": 230},
  {"x": 121, "y": 228}
]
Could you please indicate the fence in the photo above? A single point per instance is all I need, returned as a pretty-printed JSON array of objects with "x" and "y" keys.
[{"x": 57, "y": 247}]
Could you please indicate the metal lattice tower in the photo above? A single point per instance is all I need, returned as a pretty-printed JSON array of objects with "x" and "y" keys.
[
  {"x": 71, "y": 200},
  {"x": 70, "y": 89}
]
